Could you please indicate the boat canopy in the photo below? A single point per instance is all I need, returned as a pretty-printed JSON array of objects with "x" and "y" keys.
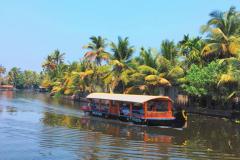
[{"x": 126, "y": 97}]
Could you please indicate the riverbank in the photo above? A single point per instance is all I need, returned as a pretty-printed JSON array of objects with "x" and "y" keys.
[{"x": 233, "y": 115}]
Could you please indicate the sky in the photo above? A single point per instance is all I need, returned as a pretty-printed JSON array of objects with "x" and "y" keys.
[{"x": 30, "y": 30}]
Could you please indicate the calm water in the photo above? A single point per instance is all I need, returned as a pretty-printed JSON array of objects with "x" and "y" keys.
[{"x": 35, "y": 127}]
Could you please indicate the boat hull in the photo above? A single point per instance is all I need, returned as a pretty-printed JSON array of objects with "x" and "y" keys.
[
  {"x": 124, "y": 118},
  {"x": 178, "y": 121},
  {"x": 153, "y": 122},
  {"x": 99, "y": 114}
]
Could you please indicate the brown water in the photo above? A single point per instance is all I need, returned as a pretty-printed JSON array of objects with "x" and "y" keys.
[{"x": 35, "y": 127}]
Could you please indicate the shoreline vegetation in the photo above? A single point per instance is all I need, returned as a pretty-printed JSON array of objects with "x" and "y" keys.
[{"x": 197, "y": 72}]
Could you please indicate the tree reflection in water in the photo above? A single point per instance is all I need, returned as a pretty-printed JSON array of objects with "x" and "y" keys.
[{"x": 202, "y": 132}]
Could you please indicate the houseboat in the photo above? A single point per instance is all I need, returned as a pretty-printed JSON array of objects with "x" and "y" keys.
[
  {"x": 43, "y": 89},
  {"x": 139, "y": 109},
  {"x": 6, "y": 88}
]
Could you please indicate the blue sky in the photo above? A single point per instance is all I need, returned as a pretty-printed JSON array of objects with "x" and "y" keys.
[{"x": 30, "y": 30}]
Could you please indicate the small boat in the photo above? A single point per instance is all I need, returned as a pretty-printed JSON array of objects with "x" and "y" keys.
[
  {"x": 139, "y": 109},
  {"x": 43, "y": 89},
  {"x": 6, "y": 87}
]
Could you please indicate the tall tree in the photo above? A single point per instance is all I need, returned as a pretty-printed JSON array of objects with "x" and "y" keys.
[
  {"x": 97, "y": 51},
  {"x": 169, "y": 50},
  {"x": 15, "y": 78},
  {"x": 122, "y": 53},
  {"x": 223, "y": 31},
  {"x": 147, "y": 77},
  {"x": 54, "y": 64},
  {"x": 2, "y": 71},
  {"x": 190, "y": 49},
  {"x": 58, "y": 57}
]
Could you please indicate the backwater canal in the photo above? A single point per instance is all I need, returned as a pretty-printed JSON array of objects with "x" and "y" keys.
[{"x": 34, "y": 126}]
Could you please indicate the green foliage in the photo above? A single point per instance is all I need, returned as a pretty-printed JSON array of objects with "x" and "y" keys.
[
  {"x": 169, "y": 50},
  {"x": 122, "y": 51},
  {"x": 223, "y": 34},
  {"x": 2, "y": 71},
  {"x": 190, "y": 49},
  {"x": 96, "y": 49},
  {"x": 202, "y": 67},
  {"x": 201, "y": 81},
  {"x": 23, "y": 79}
]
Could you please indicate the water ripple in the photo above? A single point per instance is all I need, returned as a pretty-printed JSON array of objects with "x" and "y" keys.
[{"x": 33, "y": 126}]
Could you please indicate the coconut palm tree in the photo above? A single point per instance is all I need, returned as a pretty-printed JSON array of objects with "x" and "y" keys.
[
  {"x": 147, "y": 57},
  {"x": 223, "y": 31},
  {"x": 190, "y": 49},
  {"x": 119, "y": 76},
  {"x": 97, "y": 51},
  {"x": 229, "y": 81},
  {"x": 169, "y": 51},
  {"x": 147, "y": 84},
  {"x": 53, "y": 60},
  {"x": 49, "y": 64},
  {"x": 147, "y": 76},
  {"x": 54, "y": 64},
  {"x": 122, "y": 51},
  {"x": 58, "y": 57},
  {"x": 228, "y": 22},
  {"x": 168, "y": 62}
]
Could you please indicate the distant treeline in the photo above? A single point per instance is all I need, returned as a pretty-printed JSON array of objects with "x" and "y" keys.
[{"x": 26, "y": 79}]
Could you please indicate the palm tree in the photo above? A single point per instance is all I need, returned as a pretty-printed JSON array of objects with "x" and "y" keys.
[
  {"x": 228, "y": 22},
  {"x": 190, "y": 49},
  {"x": 168, "y": 63},
  {"x": 147, "y": 77},
  {"x": 147, "y": 83},
  {"x": 49, "y": 64},
  {"x": 119, "y": 76},
  {"x": 223, "y": 34},
  {"x": 97, "y": 51},
  {"x": 122, "y": 51},
  {"x": 58, "y": 57},
  {"x": 54, "y": 64},
  {"x": 82, "y": 78},
  {"x": 229, "y": 81},
  {"x": 169, "y": 51},
  {"x": 53, "y": 60},
  {"x": 147, "y": 57}
]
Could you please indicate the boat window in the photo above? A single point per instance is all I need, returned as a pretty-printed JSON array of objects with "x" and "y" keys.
[
  {"x": 137, "y": 108},
  {"x": 104, "y": 105},
  {"x": 124, "y": 108},
  {"x": 158, "y": 106},
  {"x": 95, "y": 104}
]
